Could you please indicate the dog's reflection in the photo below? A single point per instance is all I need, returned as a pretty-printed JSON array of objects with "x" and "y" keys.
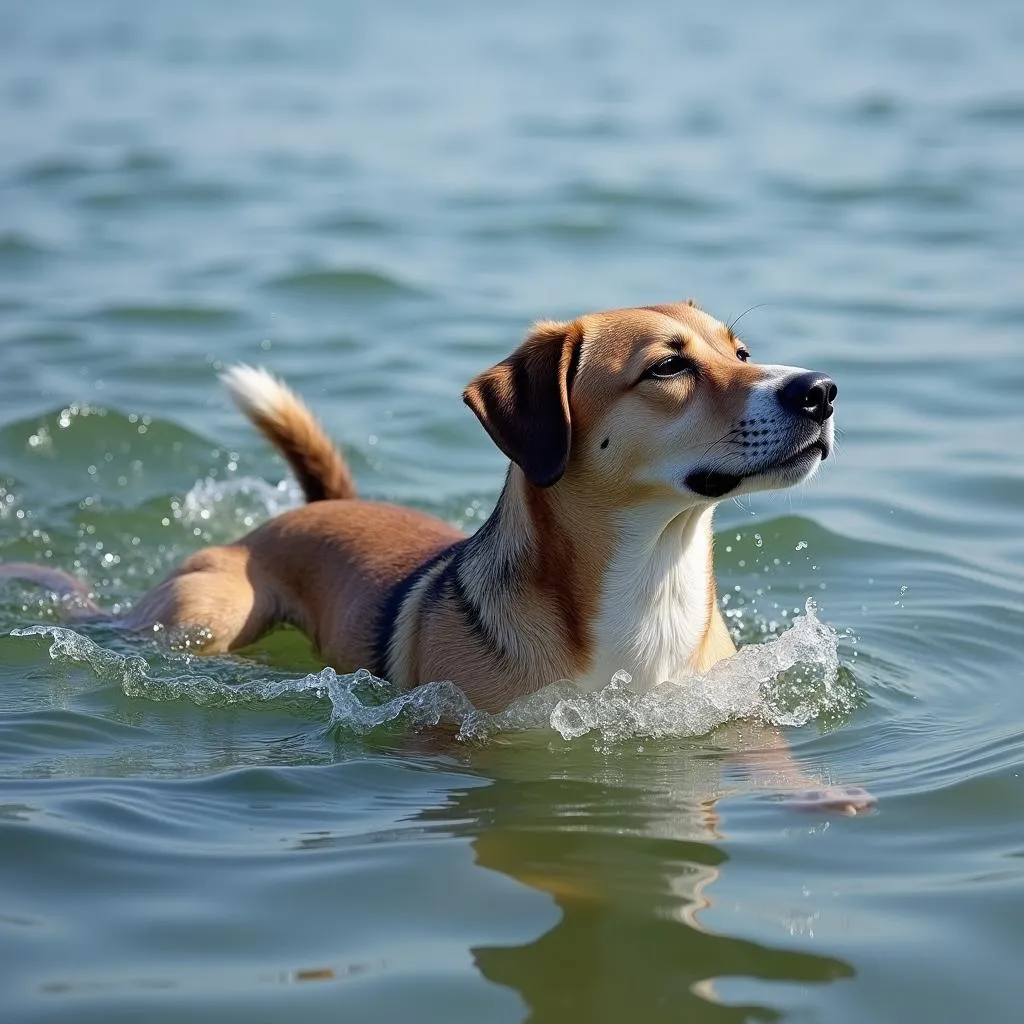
[{"x": 628, "y": 846}]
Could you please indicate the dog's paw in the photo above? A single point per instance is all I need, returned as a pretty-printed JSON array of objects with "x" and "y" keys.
[{"x": 848, "y": 800}]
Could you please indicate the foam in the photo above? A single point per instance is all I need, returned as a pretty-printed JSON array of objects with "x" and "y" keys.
[
  {"x": 789, "y": 680},
  {"x": 219, "y": 509}
]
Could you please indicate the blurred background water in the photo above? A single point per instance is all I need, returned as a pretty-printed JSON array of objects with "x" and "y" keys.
[{"x": 374, "y": 200}]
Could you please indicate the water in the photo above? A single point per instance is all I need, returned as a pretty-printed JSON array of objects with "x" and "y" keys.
[{"x": 374, "y": 201}]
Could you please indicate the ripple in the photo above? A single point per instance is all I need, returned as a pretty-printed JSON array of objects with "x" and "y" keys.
[
  {"x": 351, "y": 224},
  {"x": 146, "y": 161},
  {"x": 17, "y": 248},
  {"x": 166, "y": 316},
  {"x": 34, "y": 732},
  {"x": 1002, "y": 110},
  {"x": 343, "y": 284},
  {"x": 66, "y": 453},
  {"x": 56, "y": 169},
  {"x": 908, "y": 192},
  {"x": 56, "y": 337},
  {"x": 196, "y": 193},
  {"x": 556, "y": 229},
  {"x": 875, "y": 106},
  {"x": 657, "y": 198}
]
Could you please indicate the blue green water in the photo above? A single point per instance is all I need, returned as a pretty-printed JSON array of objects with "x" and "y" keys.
[{"x": 374, "y": 201}]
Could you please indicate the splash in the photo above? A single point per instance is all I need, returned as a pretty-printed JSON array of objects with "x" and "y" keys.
[
  {"x": 786, "y": 680},
  {"x": 790, "y": 679},
  {"x": 220, "y": 509}
]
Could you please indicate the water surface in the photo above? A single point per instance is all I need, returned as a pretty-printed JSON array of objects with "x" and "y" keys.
[{"x": 375, "y": 201}]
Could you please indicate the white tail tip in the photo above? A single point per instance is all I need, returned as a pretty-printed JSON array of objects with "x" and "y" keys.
[{"x": 256, "y": 391}]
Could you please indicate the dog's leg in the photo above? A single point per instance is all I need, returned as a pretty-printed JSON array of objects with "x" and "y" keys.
[
  {"x": 222, "y": 592},
  {"x": 764, "y": 756}
]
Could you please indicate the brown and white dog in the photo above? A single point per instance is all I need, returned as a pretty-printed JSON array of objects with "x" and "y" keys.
[{"x": 624, "y": 430}]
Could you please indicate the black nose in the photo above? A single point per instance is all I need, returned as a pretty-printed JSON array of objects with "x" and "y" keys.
[{"x": 811, "y": 395}]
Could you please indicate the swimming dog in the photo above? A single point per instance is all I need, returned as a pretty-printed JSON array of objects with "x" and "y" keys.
[{"x": 624, "y": 429}]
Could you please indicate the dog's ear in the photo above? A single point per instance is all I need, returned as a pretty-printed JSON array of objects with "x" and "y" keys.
[{"x": 523, "y": 402}]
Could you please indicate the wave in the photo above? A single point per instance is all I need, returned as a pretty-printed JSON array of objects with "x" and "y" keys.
[
  {"x": 166, "y": 316},
  {"x": 789, "y": 680},
  {"x": 342, "y": 283},
  {"x": 223, "y": 508},
  {"x": 16, "y": 247}
]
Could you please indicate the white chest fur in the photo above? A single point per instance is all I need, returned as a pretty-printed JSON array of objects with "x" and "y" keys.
[{"x": 655, "y": 599}]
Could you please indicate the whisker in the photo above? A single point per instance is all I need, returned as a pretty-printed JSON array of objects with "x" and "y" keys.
[
  {"x": 733, "y": 323},
  {"x": 740, "y": 504},
  {"x": 725, "y": 438}
]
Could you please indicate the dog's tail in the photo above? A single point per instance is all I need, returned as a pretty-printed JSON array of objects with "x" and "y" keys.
[
  {"x": 75, "y": 597},
  {"x": 283, "y": 419}
]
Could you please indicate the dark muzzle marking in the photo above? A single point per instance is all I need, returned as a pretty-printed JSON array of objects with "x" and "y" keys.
[{"x": 712, "y": 485}]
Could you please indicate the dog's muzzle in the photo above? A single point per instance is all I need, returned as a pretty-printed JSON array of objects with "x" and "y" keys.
[{"x": 808, "y": 396}]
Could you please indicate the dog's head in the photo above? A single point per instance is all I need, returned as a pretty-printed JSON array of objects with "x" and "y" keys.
[{"x": 651, "y": 403}]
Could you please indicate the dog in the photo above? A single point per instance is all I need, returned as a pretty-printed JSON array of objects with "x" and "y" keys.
[{"x": 624, "y": 430}]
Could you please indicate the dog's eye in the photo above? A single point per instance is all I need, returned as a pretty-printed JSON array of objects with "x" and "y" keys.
[
  {"x": 742, "y": 355},
  {"x": 673, "y": 366}
]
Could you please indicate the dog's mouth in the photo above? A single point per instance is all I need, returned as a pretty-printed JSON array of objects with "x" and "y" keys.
[{"x": 710, "y": 484}]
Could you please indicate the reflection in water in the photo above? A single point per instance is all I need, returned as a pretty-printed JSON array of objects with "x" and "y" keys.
[{"x": 627, "y": 845}]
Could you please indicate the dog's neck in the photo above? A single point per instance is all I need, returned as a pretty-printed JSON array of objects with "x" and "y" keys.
[
  {"x": 658, "y": 597},
  {"x": 592, "y": 590}
]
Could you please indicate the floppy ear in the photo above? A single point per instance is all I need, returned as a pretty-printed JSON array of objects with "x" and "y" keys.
[{"x": 523, "y": 402}]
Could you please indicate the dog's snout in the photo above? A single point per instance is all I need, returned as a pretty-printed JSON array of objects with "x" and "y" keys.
[{"x": 809, "y": 394}]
